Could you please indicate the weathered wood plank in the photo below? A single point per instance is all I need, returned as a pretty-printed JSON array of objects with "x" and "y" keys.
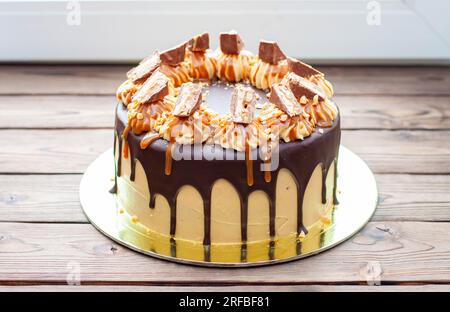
[
  {"x": 413, "y": 197},
  {"x": 390, "y": 252},
  {"x": 358, "y": 112},
  {"x": 61, "y": 79},
  {"x": 50, "y": 151},
  {"x": 95, "y": 79},
  {"x": 388, "y": 79},
  {"x": 227, "y": 289},
  {"x": 394, "y": 112},
  {"x": 67, "y": 111},
  {"x": 40, "y": 198},
  {"x": 54, "y": 198},
  {"x": 71, "y": 151},
  {"x": 401, "y": 151}
]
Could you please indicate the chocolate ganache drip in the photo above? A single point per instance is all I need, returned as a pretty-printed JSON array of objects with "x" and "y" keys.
[{"x": 300, "y": 158}]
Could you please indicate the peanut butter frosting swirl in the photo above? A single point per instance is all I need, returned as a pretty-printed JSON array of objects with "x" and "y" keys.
[
  {"x": 202, "y": 65},
  {"x": 144, "y": 117},
  {"x": 126, "y": 91},
  {"x": 278, "y": 124},
  {"x": 235, "y": 135},
  {"x": 177, "y": 74},
  {"x": 263, "y": 75},
  {"x": 193, "y": 129},
  {"x": 321, "y": 113},
  {"x": 234, "y": 67},
  {"x": 323, "y": 83}
]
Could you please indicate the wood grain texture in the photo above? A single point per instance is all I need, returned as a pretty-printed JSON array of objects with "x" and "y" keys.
[
  {"x": 43, "y": 229},
  {"x": 49, "y": 151},
  {"x": 391, "y": 252},
  {"x": 358, "y": 112},
  {"x": 228, "y": 289},
  {"x": 58, "y": 111},
  {"x": 71, "y": 151},
  {"x": 54, "y": 198},
  {"x": 394, "y": 112},
  {"x": 401, "y": 151},
  {"x": 61, "y": 79},
  {"x": 413, "y": 197},
  {"x": 40, "y": 198},
  {"x": 95, "y": 79}
]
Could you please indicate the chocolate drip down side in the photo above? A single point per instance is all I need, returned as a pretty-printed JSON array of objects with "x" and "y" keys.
[{"x": 299, "y": 157}]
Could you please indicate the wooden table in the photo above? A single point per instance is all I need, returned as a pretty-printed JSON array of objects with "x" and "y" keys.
[{"x": 54, "y": 120}]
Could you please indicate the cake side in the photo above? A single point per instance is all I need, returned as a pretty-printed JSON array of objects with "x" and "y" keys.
[{"x": 206, "y": 208}]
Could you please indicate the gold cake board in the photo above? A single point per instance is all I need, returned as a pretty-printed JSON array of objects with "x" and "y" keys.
[{"x": 356, "y": 192}]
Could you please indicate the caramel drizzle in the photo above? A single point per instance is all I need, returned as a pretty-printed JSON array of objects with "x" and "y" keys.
[
  {"x": 168, "y": 164},
  {"x": 249, "y": 163},
  {"x": 148, "y": 139},
  {"x": 125, "y": 145},
  {"x": 199, "y": 66},
  {"x": 267, "y": 172}
]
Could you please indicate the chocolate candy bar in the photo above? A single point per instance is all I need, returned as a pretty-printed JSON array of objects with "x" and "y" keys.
[
  {"x": 199, "y": 43},
  {"x": 145, "y": 68},
  {"x": 174, "y": 56},
  {"x": 285, "y": 100},
  {"x": 154, "y": 89},
  {"x": 302, "y": 69},
  {"x": 270, "y": 52},
  {"x": 243, "y": 101},
  {"x": 188, "y": 100},
  {"x": 231, "y": 42},
  {"x": 301, "y": 86}
]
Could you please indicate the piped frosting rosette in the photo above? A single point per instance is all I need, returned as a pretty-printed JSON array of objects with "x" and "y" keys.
[
  {"x": 270, "y": 66},
  {"x": 238, "y": 129},
  {"x": 233, "y": 63},
  {"x": 284, "y": 117},
  {"x": 313, "y": 99},
  {"x": 148, "y": 104},
  {"x": 189, "y": 121},
  {"x": 201, "y": 58}
]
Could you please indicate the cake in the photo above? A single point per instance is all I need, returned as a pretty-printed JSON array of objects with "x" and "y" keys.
[{"x": 225, "y": 156}]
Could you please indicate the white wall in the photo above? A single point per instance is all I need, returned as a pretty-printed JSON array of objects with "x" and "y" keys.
[{"x": 322, "y": 31}]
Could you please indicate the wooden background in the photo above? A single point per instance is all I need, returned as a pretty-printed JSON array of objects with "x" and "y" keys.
[{"x": 54, "y": 120}]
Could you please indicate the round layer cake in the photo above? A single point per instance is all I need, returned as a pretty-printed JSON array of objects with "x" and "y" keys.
[{"x": 225, "y": 156}]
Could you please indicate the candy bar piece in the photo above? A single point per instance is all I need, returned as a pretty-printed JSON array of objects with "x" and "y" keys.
[
  {"x": 301, "y": 86},
  {"x": 154, "y": 89},
  {"x": 174, "y": 56},
  {"x": 145, "y": 68},
  {"x": 270, "y": 52},
  {"x": 284, "y": 99},
  {"x": 199, "y": 43},
  {"x": 188, "y": 100},
  {"x": 302, "y": 69},
  {"x": 231, "y": 42},
  {"x": 243, "y": 101}
]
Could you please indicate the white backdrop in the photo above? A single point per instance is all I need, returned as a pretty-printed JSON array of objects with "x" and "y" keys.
[{"x": 358, "y": 31}]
